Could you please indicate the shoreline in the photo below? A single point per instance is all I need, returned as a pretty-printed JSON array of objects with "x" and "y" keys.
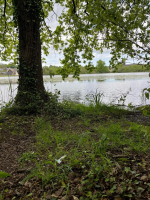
[{"x": 83, "y": 77}]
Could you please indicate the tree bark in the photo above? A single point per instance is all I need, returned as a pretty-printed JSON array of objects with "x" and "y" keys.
[{"x": 31, "y": 84}]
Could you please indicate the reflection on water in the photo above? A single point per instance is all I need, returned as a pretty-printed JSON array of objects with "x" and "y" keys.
[
  {"x": 117, "y": 88},
  {"x": 101, "y": 80},
  {"x": 7, "y": 93}
]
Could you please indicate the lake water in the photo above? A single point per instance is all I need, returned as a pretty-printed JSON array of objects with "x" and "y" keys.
[{"x": 114, "y": 87}]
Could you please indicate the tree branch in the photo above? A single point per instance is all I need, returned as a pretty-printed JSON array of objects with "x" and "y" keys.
[
  {"x": 4, "y": 9},
  {"x": 74, "y": 6},
  {"x": 50, "y": 7},
  {"x": 50, "y": 33},
  {"x": 129, "y": 40},
  {"x": 86, "y": 9}
]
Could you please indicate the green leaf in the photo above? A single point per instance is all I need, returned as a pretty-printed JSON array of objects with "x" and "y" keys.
[
  {"x": 136, "y": 182},
  {"x": 145, "y": 112},
  {"x": 140, "y": 188},
  {"x": 4, "y": 174},
  {"x": 127, "y": 169},
  {"x": 147, "y": 95},
  {"x": 128, "y": 195}
]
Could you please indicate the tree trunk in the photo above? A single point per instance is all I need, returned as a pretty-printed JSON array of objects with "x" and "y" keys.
[{"x": 31, "y": 85}]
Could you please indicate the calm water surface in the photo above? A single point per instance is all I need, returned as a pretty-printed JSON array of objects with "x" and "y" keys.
[{"x": 113, "y": 86}]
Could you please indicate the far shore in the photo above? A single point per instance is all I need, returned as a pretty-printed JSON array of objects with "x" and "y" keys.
[{"x": 13, "y": 79}]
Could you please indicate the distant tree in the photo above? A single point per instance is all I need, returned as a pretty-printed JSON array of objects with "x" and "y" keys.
[
  {"x": 51, "y": 70},
  {"x": 3, "y": 65},
  {"x": 51, "y": 73},
  {"x": 46, "y": 70},
  {"x": 12, "y": 66},
  {"x": 124, "y": 61},
  {"x": 83, "y": 70},
  {"x": 101, "y": 67},
  {"x": 131, "y": 68}
]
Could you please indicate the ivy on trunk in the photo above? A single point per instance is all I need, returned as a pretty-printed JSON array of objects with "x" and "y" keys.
[{"x": 28, "y": 17}]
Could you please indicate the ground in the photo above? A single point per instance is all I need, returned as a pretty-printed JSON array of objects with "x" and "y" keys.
[{"x": 18, "y": 135}]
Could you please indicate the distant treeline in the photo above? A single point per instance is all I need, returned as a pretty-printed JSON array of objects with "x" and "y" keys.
[
  {"x": 5, "y": 66},
  {"x": 131, "y": 68},
  {"x": 99, "y": 68},
  {"x": 54, "y": 70}
]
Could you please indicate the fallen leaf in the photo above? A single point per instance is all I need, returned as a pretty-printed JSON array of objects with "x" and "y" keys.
[
  {"x": 67, "y": 197},
  {"x": 53, "y": 195},
  {"x": 59, "y": 192},
  {"x": 28, "y": 184},
  {"x": 118, "y": 198},
  {"x": 144, "y": 178},
  {"x": 48, "y": 197},
  {"x": 75, "y": 198},
  {"x": 64, "y": 198}
]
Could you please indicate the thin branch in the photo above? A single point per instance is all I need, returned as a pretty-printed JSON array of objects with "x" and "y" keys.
[
  {"x": 86, "y": 9},
  {"x": 74, "y": 6},
  {"x": 129, "y": 40},
  {"x": 50, "y": 7},
  {"x": 4, "y": 9},
  {"x": 50, "y": 32}
]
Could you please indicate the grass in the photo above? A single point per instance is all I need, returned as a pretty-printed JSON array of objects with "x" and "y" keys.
[
  {"x": 89, "y": 152},
  {"x": 60, "y": 153}
]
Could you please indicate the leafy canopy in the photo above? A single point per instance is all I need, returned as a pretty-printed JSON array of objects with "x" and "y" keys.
[
  {"x": 87, "y": 25},
  {"x": 120, "y": 25}
]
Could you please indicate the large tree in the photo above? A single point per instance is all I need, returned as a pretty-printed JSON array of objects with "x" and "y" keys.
[
  {"x": 28, "y": 18},
  {"x": 119, "y": 25},
  {"x": 22, "y": 24}
]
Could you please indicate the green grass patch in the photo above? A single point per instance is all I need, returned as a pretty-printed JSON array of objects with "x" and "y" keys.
[
  {"x": 91, "y": 152},
  {"x": 101, "y": 161}
]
